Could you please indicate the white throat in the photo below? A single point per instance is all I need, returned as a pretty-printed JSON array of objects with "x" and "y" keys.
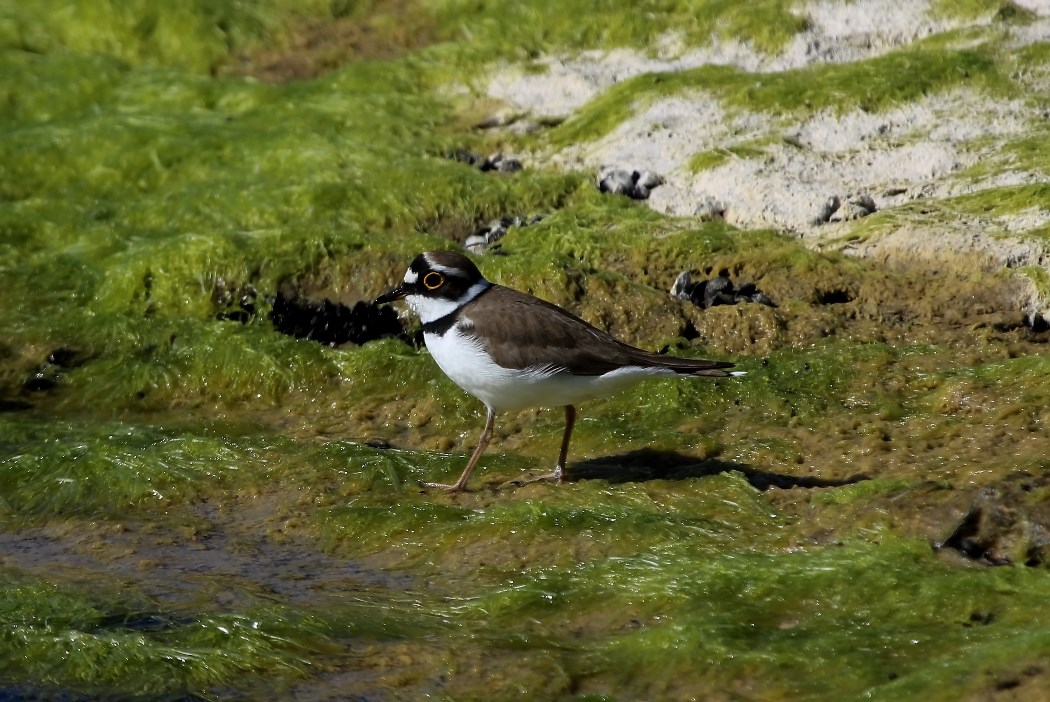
[{"x": 431, "y": 309}]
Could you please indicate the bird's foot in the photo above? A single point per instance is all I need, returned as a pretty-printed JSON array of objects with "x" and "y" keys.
[
  {"x": 455, "y": 487},
  {"x": 555, "y": 476}
]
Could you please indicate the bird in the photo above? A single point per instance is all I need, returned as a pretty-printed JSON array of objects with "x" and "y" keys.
[{"x": 512, "y": 350}]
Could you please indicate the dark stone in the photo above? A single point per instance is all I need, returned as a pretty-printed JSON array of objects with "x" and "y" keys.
[
  {"x": 830, "y": 207},
  {"x": 497, "y": 162},
  {"x": 636, "y": 185},
  {"x": 716, "y": 291},
  {"x": 500, "y": 163},
  {"x": 1037, "y": 322},
  {"x": 747, "y": 290}
]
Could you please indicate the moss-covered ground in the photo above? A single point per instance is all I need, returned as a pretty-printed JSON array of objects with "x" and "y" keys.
[{"x": 194, "y": 506}]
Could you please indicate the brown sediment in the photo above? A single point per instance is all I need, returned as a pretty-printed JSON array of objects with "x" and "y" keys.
[{"x": 390, "y": 29}]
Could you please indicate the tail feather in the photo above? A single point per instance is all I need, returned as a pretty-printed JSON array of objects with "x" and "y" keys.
[{"x": 689, "y": 366}]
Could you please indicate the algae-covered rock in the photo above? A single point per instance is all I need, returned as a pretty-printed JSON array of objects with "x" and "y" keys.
[
  {"x": 751, "y": 329},
  {"x": 1008, "y": 522}
]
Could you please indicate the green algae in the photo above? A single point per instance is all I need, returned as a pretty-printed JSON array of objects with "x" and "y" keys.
[
  {"x": 187, "y": 504},
  {"x": 526, "y": 30},
  {"x": 705, "y": 160},
  {"x": 197, "y": 36},
  {"x": 799, "y": 615},
  {"x": 69, "y": 640},
  {"x": 610, "y": 579}
]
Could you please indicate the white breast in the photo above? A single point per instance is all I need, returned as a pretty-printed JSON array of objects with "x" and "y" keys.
[{"x": 501, "y": 389}]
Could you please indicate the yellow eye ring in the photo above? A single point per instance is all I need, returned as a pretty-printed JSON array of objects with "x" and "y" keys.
[{"x": 433, "y": 280}]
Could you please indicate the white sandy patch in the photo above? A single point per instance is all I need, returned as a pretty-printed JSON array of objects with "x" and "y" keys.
[
  {"x": 908, "y": 152},
  {"x": 839, "y": 32},
  {"x": 665, "y": 135},
  {"x": 1032, "y": 218},
  {"x": 1039, "y": 7},
  {"x": 915, "y": 151}
]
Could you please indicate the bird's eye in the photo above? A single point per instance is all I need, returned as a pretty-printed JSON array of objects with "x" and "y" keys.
[{"x": 433, "y": 280}]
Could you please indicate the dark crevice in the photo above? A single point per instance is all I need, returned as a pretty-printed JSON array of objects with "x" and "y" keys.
[
  {"x": 838, "y": 296},
  {"x": 333, "y": 323}
]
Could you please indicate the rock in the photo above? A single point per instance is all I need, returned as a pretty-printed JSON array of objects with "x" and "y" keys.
[
  {"x": 830, "y": 207},
  {"x": 647, "y": 179},
  {"x": 855, "y": 208},
  {"x": 500, "y": 163},
  {"x": 636, "y": 185},
  {"x": 865, "y": 202},
  {"x": 1038, "y": 322},
  {"x": 496, "y": 162},
  {"x": 716, "y": 291},
  {"x": 487, "y": 235},
  {"x": 1007, "y": 523},
  {"x": 682, "y": 285},
  {"x": 615, "y": 182},
  {"x": 710, "y": 210},
  {"x": 835, "y": 210}
]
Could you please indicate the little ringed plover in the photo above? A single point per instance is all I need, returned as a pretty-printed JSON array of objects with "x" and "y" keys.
[{"x": 512, "y": 350}]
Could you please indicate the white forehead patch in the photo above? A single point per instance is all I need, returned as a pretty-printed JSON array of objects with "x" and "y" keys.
[
  {"x": 447, "y": 270},
  {"x": 454, "y": 272},
  {"x": 411, "y": 276}
]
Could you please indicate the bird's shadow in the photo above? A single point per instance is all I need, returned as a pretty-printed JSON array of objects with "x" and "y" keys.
[{"x": 651, "y": 464}]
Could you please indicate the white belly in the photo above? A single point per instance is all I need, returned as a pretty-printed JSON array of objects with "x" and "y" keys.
[{"x": 502, "y": 389}]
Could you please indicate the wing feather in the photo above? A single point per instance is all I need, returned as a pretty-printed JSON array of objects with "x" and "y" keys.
[{"x": 529, "y": 332}]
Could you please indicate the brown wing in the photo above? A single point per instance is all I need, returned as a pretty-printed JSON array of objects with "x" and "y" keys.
[{"x": 521, "y": 331}]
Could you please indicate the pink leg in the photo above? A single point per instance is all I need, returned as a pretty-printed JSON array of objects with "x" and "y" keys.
[
  {"x": 570, "y": 420},
  {"x": 558, "y": 474},
  {"x": 486, "y": 436}
]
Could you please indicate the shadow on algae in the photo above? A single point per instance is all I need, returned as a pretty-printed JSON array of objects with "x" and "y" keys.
[{"x": 195, "y": 507}]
